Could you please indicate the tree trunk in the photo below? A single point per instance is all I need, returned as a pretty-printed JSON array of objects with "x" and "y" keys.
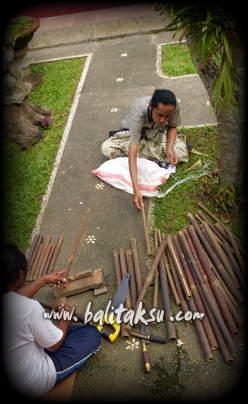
[
  {"x": 21, "y": 118},
  {"x": 231, "y": 170}
]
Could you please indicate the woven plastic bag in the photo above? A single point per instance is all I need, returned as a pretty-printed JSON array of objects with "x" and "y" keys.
[{"x": 115, "y": 172}]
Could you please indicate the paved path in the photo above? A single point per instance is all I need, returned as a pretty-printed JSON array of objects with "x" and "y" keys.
[{"x": 116, "y": 373}]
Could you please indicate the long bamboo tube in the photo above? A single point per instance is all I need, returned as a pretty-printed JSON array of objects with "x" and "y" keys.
[
  {"x": 179, "y": 268},
  {"x": 168, "y": 273},
  {"x": 156, "y": 276},
  {"x": 33, "y": 258},
  {"x": 56, "y": 252},
  {"x": 60, "y": 290},
  {"x": 215, "y": 218},
  {"x": 221, "y": 254},
  {"x": 222, "y": 344},
  {"x": 222, "y": 230},
  {"x": 222, "y": 325},
  {"x": 151, "y": 273},
  {"x": 136, "y": 263},
  {"x": 49, "y": 258},
  {"x": 215, "y": 285},
  {"x": 117, "y": 268},
  {"x": 183, "y": 301},
  {"x": 132, "y": 281},
  {"x": 148, "y": 247},
  {"x": 197, "y": 298},
  {"x": 237, "y": 252},
  {"x": 171, "y": 333},
  {"x": 128, "y": 301},
  {"x": 226, "y": 277},
  {"x": 201, "y": 333}
]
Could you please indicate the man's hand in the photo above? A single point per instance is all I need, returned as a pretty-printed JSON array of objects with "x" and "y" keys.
[
  {"x": 172, "y": 157},
  {"x": 56, "y": 278},
  {"x": 138, "y": 200}
]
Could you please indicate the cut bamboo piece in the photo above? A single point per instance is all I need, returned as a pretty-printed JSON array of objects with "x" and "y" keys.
[
  {"x": 49, "y": 258},
  {"x": 55, "y": 255},
  {"x": 179, "y": 268},
  {"x": 169, "y": 276},
  {"x": 148, "y": 247},
  {"x": 136, "y": 263},
  {"x": 132, "y": 282},
  {"x": 197, "y": 298},
  {"x": 67, "y": 270},
  {"x": 33, "y": 257}
]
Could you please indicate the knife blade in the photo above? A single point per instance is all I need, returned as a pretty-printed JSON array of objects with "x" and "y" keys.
[
  {"x": 145, "y": 353},
  {"x": 148, "y": 337}
]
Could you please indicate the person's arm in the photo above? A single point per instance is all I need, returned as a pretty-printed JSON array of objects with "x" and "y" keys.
[
  {"x": 33, "y": 287},
  {"x": 132, "y": 161},
  {"x": 63, "y": 326},
  {"x": 171, "y": 137}
]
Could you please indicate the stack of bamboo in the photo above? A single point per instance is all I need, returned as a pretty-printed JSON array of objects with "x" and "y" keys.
[
  {"x": 42, "y": 256},
  {"x": 208, "y": 270}
]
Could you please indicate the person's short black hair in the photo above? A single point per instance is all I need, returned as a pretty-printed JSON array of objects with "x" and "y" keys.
[
  {"x": 163, "y": 96},
  {"x": 13, "y": 259}
]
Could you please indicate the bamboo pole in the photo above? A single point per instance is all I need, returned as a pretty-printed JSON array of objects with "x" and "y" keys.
[
  {"x": 56, "y": 252},
  {"x": 183, "y": 301},
  {"x": 197, "y": 298},
  {"x": 237, "y": 252},
  {"x": 49, "y": 258},
  {"x": 222, "y": 230},
  {"x": 223, "y": 327},
  {"x": 136, "y": 262},
  {"x": 67, "y": 270},
  {"x": 132, "y": 282},
  {"x": 148, "y": 247},
  {"x": 171, "y": 333},
  {"x": 117, "y": 268},
  {"x": 151, "y": 273},
  {"x": 43, "y": 259},
  {"x": 128, "y": 302},
  {"x": 218, "y": 265},
  {"x": 156, "y": 275},
  {"x": 169, "y": 276},
  {"x": 32, "y": 249},
  {"x": 179, "y": 268},
  {"x": 33, "y": 258},
  {"x": 221, "y": 254},
  {"x": 222, "y": 344},
  {"x": 215, "y": 285}
]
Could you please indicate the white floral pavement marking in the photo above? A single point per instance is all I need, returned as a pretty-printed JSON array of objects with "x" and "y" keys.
[
  {"x": 123, "y": 54},
  {"x": 91, "y": 239},
  {"x": 179, "y": 343},
  {"x": 114, "y": 109},
  {"x": 208, "y": 102},
  {"x": 99, "y": 186},
  {"x": 120, "y": 79},
  {"x": 133, "y": 344}
]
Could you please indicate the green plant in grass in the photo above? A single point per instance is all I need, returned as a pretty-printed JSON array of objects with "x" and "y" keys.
[{"x": 176, "y": 60}]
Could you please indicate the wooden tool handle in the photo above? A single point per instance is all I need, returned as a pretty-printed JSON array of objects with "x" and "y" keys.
[{"x": 146, "y": 357}]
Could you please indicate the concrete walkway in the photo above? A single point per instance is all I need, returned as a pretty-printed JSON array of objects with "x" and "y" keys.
[{"x": 133, "y": 55}]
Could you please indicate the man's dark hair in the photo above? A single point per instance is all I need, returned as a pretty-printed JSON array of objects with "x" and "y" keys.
[
  {"x": 165, "y": 97},
  {"x": 13, "y": 259}
]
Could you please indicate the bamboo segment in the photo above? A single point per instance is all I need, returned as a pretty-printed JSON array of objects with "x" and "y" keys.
[
  {"x": 201, "y": 333},
  {"x": 179, "y": 268},
  {"x": 132, "y": 282},
  {"x": 136, "y": 262},
  {"x": 49, "y": 258},
  {"x": 197, "y": 298},
  {"x": 33, "y": 256},
  {"x": 169, "y": 276},
  {"x": 32, "y": 249},
  {"x": 216, "y": 261},
  {"x": 117, "y": 268},
  {"x": 237, "y": 252},
  {"x": 166, "y": 301},
  {"x": 148, "y": 247},
  {"x": 221, "y": 254},
  {"x": 183, "y": 301},
  {"x": 55, "y": 255},
  {"x": 67, "y": 270},
  {"x": 210, "y": 301},
  {"x": 44, "y": 257},
  {"x": 124, "y": 271},
  {"x": 35, "y": 264},
  {"x": 155, "y": 287},
  {"x": 151, "y": 273}
]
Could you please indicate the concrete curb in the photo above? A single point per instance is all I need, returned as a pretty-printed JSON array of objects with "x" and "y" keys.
[{"x": 97, "y": 31}]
